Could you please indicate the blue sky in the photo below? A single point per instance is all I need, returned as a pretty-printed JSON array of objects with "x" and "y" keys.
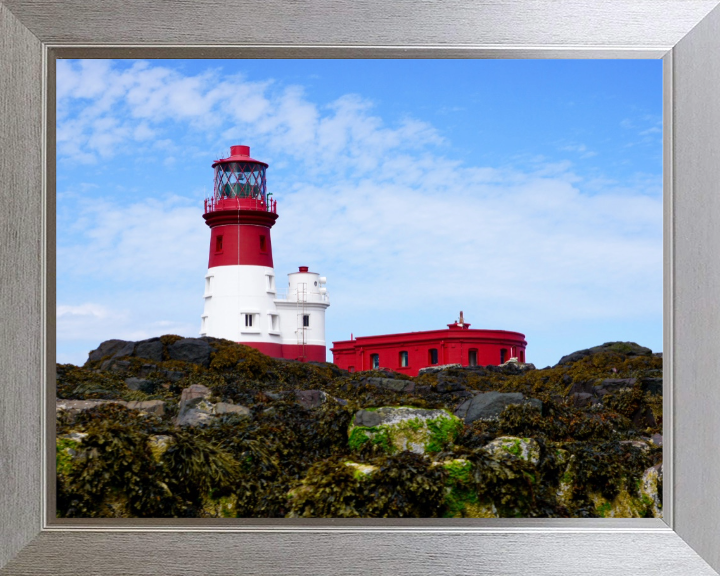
[{"x": 526, "y": 193}]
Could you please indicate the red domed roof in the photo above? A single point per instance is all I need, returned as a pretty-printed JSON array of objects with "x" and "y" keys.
[{"x": 238, "y": 154}]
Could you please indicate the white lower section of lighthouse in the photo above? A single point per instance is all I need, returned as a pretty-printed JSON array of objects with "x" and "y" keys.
[{"x": 242, "y": 304}]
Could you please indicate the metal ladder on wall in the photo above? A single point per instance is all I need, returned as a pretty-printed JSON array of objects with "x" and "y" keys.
[{"x": 301, "y": 332}]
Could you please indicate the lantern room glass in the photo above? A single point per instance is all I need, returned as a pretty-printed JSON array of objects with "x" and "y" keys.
[{"x": 240, "y": 180}]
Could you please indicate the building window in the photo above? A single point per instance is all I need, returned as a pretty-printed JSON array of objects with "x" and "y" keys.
[
  {"x": 306, "y": 320},
  {"x": 375, "y": 360},
  {"x": 274, "y": 322},
  {"x": 263, "y": 247},
  {"x": 522, "y": 356},
  {"x": 351, "y": 369},
  {"x": 218, "y": 243},
  {"x": 403, "y": 359},
  {"x": 472, "y": 358},
  {"x": 270, "y": 282},
  {"x": 248, "y": 320},
  {"x": 433, "y": 356},
  {"x": 503, "y": 355}
]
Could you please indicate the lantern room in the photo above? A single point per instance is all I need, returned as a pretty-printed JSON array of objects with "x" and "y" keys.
[{"x": 240, "y": 183}]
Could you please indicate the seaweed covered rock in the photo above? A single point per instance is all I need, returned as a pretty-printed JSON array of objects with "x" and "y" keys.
[
  {"x": 264, "y": 437},
  {"x": 111, "y": 348},
  {"x": 191, "y": 350},
  {"x": 509, "y": 446},
  {"x": 490, "y": 405},
  {"x": 623, "y": 348},
  {"x": 404, "y": 429},
  {"x": 403, "y": 485}
]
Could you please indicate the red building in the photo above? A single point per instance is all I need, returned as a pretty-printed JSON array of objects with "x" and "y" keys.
[{"x": 408, "y": 352}]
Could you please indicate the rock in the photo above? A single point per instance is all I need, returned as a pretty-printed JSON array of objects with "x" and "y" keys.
[
  {"x": 225, "y": 408},
  {"x": 193, "y": 417},
  {"x": 397, "y": 429},
  {"x": 433, "y": 369},
  {"x": 115, "y": 365},
  {"x": 614, "y": 384},
  {"x": 107, "y": 348},
  {"x": 311, "y": 398},
  {"x": 156, "y": 407},
  {"x": 651, "y": 490},
  {"x": 395, "y": 384},
  {"x": 657, "y": 439},
  {"x": 644, "y": 446},
  {"x": 194, "y": 407},
  {"x": 511, "y": 447},
  {"x": 513, "y": 366},
  {"x": 582, "y": 399},
  {"x": 644, "y": 418},
  {"x": 489, "y": 405},
  {"x": 448, "y": 386},
  {"x": 126, "y": 350},
  {"x": 192, "y": 395},
  {"x": 151, "y": 349},
  {"x": 76, "y": 406},
  {"x": 147, "y": 369},
  {"x": 582, "y": 387},
  {"x": 191, "y": 350},
  {"x": 626, "y": 348},
  {"x": 173, "y": 375},
  {"x": 652, "y": 385},
  {"x": 147, "y": 386}
]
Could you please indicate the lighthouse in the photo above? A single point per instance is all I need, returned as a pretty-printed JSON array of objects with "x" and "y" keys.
[{"x": 242, "y": 300}]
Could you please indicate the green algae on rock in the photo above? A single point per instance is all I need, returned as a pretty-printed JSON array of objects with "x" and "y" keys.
[{"x": 403, "y": 428}]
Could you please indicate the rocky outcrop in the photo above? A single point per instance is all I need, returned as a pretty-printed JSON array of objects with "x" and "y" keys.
[
  {"x": 192, "y": 350},
  {"x": 623, "y": 348},
  {"x": 201, "y": 427},
  {"x": 490, "y": 405}
]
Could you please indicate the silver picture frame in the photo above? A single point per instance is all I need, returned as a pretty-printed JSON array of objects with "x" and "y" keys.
[{"x": 684, "y": 33}]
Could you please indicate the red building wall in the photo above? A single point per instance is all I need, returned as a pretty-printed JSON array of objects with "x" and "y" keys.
[{"x": 453, "y": 346}]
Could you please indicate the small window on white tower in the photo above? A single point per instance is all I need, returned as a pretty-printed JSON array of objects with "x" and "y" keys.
[
  {"x": 270, "y": 281},
  {"x": 306, "y": 320},
  {"x": 248, "y": 320},
  {"x": 274, "y": 323},
  {"x": 208, "y": 285}
]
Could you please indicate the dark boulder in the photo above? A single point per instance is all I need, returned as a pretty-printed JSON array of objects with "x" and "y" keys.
[
  {"x": 582, "y": 399},
  {"x": 625, "y": 348},
  {"x": 152, "y": 349},
  {"x": 141, "y": 385},
  {"x": 193, "y": 350},
  {"x": 107, "y": 348},
  {"x": 395, "y": 384},
  {"x": 173, "y": 375},
  {"x": 489, "y": 405},
  {"x": 652, "y": 385}
]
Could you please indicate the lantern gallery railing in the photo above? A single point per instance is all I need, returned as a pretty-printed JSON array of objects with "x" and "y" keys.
[{"x": 213, "y": 204}]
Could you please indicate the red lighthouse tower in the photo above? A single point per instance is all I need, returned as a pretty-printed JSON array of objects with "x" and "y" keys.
[{"x": 241, "y": 300}]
